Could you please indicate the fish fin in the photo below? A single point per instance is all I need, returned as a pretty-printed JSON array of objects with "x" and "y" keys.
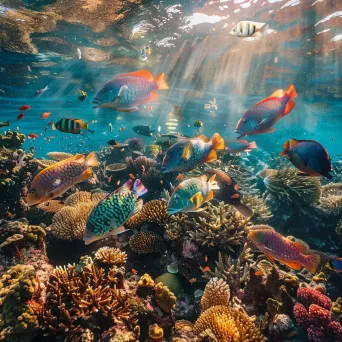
[
  {"x": 262, "y": 27},
  {"x": 211, "y": 156},
  {"x": 138, "y": 206},
  {"x": 197, "y": 199},
  {"x": 141, "y": 73},
  {"x": 161, "y": 81},
  {"x": 151, "y": 97},
  {"x": 188, "y": 149},
  {"x": 257, "y": 34},
  {"x": 122, "y": 92},
  {"x": 294, "y": 265},
  {"x": 86, "y": 174},
  {"x": 252, "y": 145},
  {"x": 291, "y": 92},
  {"x": 139, "y": 188},
  {"x": 269, "y": 257},
  {"x": 217, "y": 142},
  {"x": 293, "y": 142},
  {"x": 300, "y": 246},
  {"x": 244, "y": 209},
  {"x": 213, "y": 183},
  {"x": 196, "y": 210},
  {"x": 120, "y": 230},
  {"x": 84, "y": 125},
  {"x": 269, "y": 130},
  {"x": 303, "y": 174},
  {"x": 289, "y": 106},
  {"x": 203, "y": 138},
  {"x": 128, "y": 110},
  {"x": 91, "y": 159},
  {"x": 210, "y": 196},
  {"x": 257, "y": 25},
  {"x": 312, "y": 262},
  {"x": 278, "y": 93},
  {"x": 286, "y": 147}
]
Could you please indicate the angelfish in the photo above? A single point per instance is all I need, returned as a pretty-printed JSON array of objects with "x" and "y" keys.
[
  {"x": 125, "y": 92},
  {"x": 108, "y": 217}
]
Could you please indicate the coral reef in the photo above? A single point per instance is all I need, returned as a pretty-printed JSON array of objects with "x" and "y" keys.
[
  {"x": 216, "y": 293},
  {"x": 52, "y": 206},
  {"x": 164, "y": 298},
  {"x": 155, "y": 333},
  {"x": 107, "y": 256},
  {"x": 262, "y": 213},
  {"x": 135, "y": 144},
  {"x": 12, "y": 140},
  {"x": 58, "y": 156},
  {"x": 145, "y": 242}
]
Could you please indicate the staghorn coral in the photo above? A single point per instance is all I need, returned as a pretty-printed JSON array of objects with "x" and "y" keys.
[
  {"x": 75, "y": 294},
  {"x": 164, "y": 298},
  {"x": 58, "y": 156},
  {"x": 216, "y": 293},
  {"x": 217, "y": 226},
  {"x": 110, "y": 257},
  {"x": 52, "y": 206},
  {"x": 145, "y": 242},
  {"x": 261, "y": 212},
  {"x": 227, "y": 324},
  {"x": 287, "y": 186}
]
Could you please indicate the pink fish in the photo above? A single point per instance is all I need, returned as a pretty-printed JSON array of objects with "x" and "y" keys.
[
  {"x": 264, "y": 114},
  {"x": 236, "y": 146}
]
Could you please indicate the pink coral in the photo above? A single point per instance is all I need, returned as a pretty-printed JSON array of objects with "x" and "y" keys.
[
  {"x": 335, "y": 331},
  {"x": 316, "y": 334},
  {"x": 301, "y": 315},
  {"x": 318, "y": 316},
  {"x": 309, "y": 296}
]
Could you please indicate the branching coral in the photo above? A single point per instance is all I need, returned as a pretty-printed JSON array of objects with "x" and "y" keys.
[
  {"x": 227, "y": 324},
  {"x": 110, "y": 256},
  {"x": 286, "y": 185},
  {"x": 145, "y": 242},
  {"x": 216, "y": 293},
  {"x": 12, "y": 139}
]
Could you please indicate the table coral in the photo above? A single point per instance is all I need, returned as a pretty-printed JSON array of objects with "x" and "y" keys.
[
  {"x": 145, "y": 242},
  {"x": 216, "y": 293}
]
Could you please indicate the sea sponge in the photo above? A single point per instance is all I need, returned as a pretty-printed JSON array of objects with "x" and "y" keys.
[
  {"x": 228, "y": 325},
  {"x": 51, "y": 206},
  {"x": 11, "y": 239},
  {"x": 301, "y": 315},
  {"x": 35, "y": 234},
  {"x": 155, "y": 332},
  {"x": 58, "y": 156},
  {"x": 110, "y": 256},
  {"x": 309, "y": 296},
  {"x": 164, "y": 298},
  {"x": 146, "y": 281},
  {"x": 287, "y": 186},
  {"x": 145, "y": 242},
  {"x": 319, "y": 316},
  {"x": 216, "y": 293}
]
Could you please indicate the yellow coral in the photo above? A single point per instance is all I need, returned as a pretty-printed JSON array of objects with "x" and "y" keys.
[
  {"x": 216, "y": 293},
  {"x": 155, "y": 332},
  {"x": 337, "y": 306},
  {"x": 319, "y": 278},
  {"x": 12, "y": 239},
  {"x": 110, "y": 256},
  {"x": 228, "y": 325},
  {"x": 164, "y": 298},
  {"x": 35, "y": 234},
  {"x": 146, "y": 281}
]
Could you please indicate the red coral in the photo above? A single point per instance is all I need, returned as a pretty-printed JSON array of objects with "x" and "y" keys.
[
  {"x": 301, "y": 315},
  {"x": 335, "y": 331},
  {"x": 316, "y": 334},
  {"x": 319, "y": 317},
  {"x": 310, "y": 296}
]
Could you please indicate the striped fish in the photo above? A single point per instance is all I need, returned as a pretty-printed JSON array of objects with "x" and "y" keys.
[
  {"x": 112, "y": 212},
  {"x": 249, "y": 29},
  {"x": 72, "y": 126}
]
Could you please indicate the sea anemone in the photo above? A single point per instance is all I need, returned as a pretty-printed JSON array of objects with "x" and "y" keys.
[{"x": 135, "y": 144}]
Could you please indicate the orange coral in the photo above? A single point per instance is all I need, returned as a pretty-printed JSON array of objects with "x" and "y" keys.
[{"x": 216, "y": 293}]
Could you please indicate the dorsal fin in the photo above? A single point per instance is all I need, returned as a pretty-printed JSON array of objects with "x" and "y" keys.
[
  {"x": 141, "y": 73},
  {"x": 279, "y": 94},
  {"x": 202, "y": 137},
  {"x": 300, "y": 246},
  {"x": 293, "y": 142}
]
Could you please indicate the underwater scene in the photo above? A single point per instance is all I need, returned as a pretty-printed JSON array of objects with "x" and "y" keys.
[{"x": 171, "y": 171}]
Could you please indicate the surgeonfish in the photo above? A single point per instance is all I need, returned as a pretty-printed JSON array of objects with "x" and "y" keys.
[
  {"x": 185, "y": 155},
  {"x": 190, "y": 194},
  {"x": 294, "y": 254},
  {"x": 125, "y": 92},
  {"x": 264, "y": 114},
  {"x": 72, "y": 126},
  {"x": 237, "y": 145},
  {"x": 108, "y": 217},
  {"x": 249, "y": 29},
  {"x": 308, "y": 156},
  {"x": 228, "y": 191},
  {"x": 56, "y": 179}
]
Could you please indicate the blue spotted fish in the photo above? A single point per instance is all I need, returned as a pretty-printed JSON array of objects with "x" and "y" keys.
[{"x": 112, "y": 212}]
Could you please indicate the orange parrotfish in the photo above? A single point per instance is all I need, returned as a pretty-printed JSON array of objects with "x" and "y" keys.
[
  {"x": 56, "y": 179},
  {"x": 264, "y": 114},
  {"x": 125, "y": 92},
  {"x": 294, "y": 254}
]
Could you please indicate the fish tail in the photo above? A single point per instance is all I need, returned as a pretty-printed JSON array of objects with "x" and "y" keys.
[
  {"x": 264, "y": 28},
  {"x": 217, "y": 142},
  {"x": 252, "y": 145},
  {"x": 213, "y": 184},
  {"x": 7, "y": 122},
  {"x": 311, "y": 262},
  {"x": 84, "y": 125},
  {"x": 244, "y": 209},
  {"x": 290, "y": 94},
  {"x": 161, "y": 81},
  {"x": 139, "y": 188},
  {"x": 286, "y": 149},
  {"x": 91, "y": 159}
]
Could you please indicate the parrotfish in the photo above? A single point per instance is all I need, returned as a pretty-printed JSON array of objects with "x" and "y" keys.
[
  {"x": 56, "y": 179},
  {"x": 189, "y": 195},
  {"x": 125, "y": 92},
  {"x": 236, "y": 146},
  {"x": 108, "y": 217},
  {"x": 294, "y": 254},
  {"x": 264, "y": 114},
  {"x": 185, "y": 155},
  {"x": 249, "y": 29},
  {"x": 73, "y": 126},
  {"x": 228, "y": 191},
  {"x": 308, "y": 156}
]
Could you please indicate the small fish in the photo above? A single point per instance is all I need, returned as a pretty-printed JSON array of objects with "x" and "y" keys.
[
  {"x": 118, "y": 182},
  {"x": 125, "y": 92},
  {"x": 228, "y": 191},
  {"x": 45, "y": 130},
  {"x": 237, "y": 146},
  {"x": 122, "y": 128},
  {"x": 112, "y": 142},
  {"x": 335, "y": 264},
  {"x": 264, "y": 114},
  {"x": 206, "y": 258},
  {"x": 40, "y": 92},
  {"x": 33, "y": 136},
  {"x": 53, "y": 127},
  {"x": 79, "y": 53},
  {"x": 73, "y": 126},
  {"x": 81, "y": 95},
  {"x": 249, "y": 29},
  {"x": 187, "y": 154},
  {"x": 110, "y": 128},
  {"x": 109, "y": 179},
  {"x": 143, "y": 130},
  {"x": 198, "y": 123},
  {"x": 159, "y": 129},
  {"x": 20, "y": 116},
  {"x": 29, "y": 68},
  {"x": 192, "y": 280},
  {"x": 206, "y": 269},
  {"x": 134, "y": 271},
  {"x": 50, "y": 123},
  {"x": 332, "y": 139},
  {"x": 308, "y": 156},
  {"x": 56, "y": 179},
  {"x": 190, "y": 194},
  {"x": 294, "y": 254},
  {"x": 45, "y": 115},
  {"x": 211, "y": 104},
  {"x": 131, "y": 176},
  {"x": 26, "y": 107},
  {"x": 4, "y": 124},
  {"x": 108, "y": 217}
]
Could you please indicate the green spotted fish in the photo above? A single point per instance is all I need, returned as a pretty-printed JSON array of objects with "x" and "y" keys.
[{"x": 112, "y": 212}]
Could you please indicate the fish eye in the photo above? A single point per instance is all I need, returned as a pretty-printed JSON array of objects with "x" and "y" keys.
[
  {"x": 244, "y": 121},
  {"x": 104, "y": 90},
  {"x": 32, "y": 191},
  {"x": 176, "y": 197}
]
